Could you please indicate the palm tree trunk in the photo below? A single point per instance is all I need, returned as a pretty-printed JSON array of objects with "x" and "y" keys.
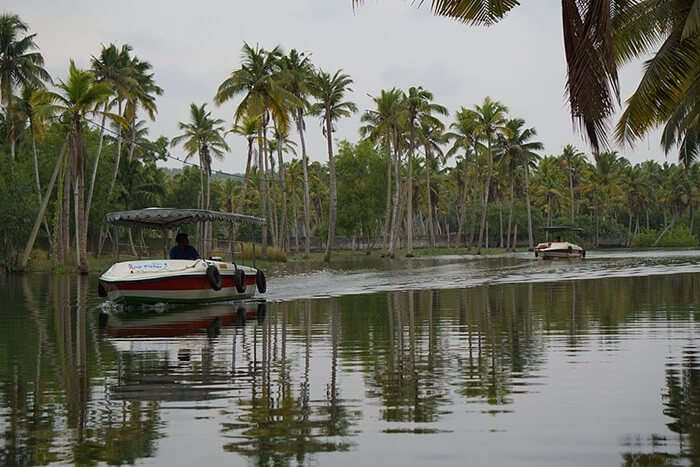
[
  {"x": 97, "y": 163},
  {"x": 571, "y": 191},
  {"x": 119, "y": 155},
  {"x": 463, "y": 205},
  {"x": 486, "y": 198},
  {"x": 38, "y": 182},
  {"x": 65, "y": 207},
  {"x": 331, "y": 169},
  {"x": 409, "y": 194},
  {"x": 397, "y": 198},
  {"x": 263, "y": 195},
  {"x": 42, "y": 209},
  {"x": 500, "y": 222},
  {"x": 510, "y": 213},
  {"x": 82, "y": 227},
  {"x": 244, "y": 188},
  {"x": 668, "y": 227},
  {"x": 307, "y": 198},
  {"x": 431, "y": 227},
  {"x": 387, "y": 210},
  {"x": 530, "y": 240},
  {"x": 283, "y": 188}
]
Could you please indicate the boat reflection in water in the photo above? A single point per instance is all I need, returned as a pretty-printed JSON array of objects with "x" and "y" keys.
[{"x": 168, "y": 353}]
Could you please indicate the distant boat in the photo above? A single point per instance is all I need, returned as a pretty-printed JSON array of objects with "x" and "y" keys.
[
  {"x": 559, "y": 249},
  {"x": 176, "y": 280}
]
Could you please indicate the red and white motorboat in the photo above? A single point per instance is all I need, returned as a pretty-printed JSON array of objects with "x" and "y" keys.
[
  {"x": 559, "y": 249},
  {"x": 179, "y": 280}
]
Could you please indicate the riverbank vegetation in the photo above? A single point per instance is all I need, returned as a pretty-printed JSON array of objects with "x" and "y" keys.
[{"x": 421, "y": 173}]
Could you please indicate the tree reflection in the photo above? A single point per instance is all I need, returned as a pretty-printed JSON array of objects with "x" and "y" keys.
[{"x": 275, "y": 425}]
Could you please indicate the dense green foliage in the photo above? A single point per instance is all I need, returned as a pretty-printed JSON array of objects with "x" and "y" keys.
[{"x": 415, "y": 175}]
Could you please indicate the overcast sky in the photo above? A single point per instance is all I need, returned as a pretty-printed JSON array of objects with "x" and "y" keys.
[{"x": 194, "y": 45}]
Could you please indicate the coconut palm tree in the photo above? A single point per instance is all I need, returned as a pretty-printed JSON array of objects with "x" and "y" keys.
[
  {"x": 522, "y": 151},
  {"x": 248, "y": 128},
  {"x": 548, "y": 184},
  {"x": 431, "y": 137},
  {"x": 282, "y": 144},
  {"x": 490, "y": 121},
  {"x": 297, "y": 71},
  {"x": 330, "y": 93},
  {"x": 383, "y": 122},
  {"x": 668, "y": 91},
  {"x": 598, "y": 38},
  {"x": 264, "y": 97},
  {"x": 25, "y": 109},
  {"x": 572, "y": 158},
  {"x": 77, "y": 98},
  {"x": 466, "y": 139},
  {"x": 202, "y": 136},
  {"x": 21, "y": 65},
  {"x": 418, "y": 108}
]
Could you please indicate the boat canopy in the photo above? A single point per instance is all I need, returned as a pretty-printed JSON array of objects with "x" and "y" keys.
[
  {"x": 563, "y": 228},
  {"x": 166, "y": 218}
]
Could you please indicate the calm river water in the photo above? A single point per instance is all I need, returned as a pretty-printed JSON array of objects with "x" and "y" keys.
[{"x": 433, "y": 361}]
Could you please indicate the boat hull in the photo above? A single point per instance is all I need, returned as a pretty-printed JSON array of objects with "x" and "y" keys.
[
  {"x": 559, "y": 250},
  {"x": 170, "y": 282}
]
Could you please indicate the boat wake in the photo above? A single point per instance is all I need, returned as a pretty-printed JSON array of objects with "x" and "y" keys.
[{"x": 470, "y": 271}]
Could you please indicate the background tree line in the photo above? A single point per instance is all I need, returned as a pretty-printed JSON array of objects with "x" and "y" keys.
[{"x": 77, "y": 147}]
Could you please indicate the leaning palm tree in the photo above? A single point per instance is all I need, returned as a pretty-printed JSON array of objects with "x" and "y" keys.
[
  {"x": 264, "y": 96},
  {"x": 297, "y": 71},
  {"x": 20, "y": 66},
  {"x": 490, "y": 119},
  {"x": 418, "y": 108},
  {"x": 26, "y": 109},
  {"x": 77, "y": 98},
  {"x": 330, "y": 93},
  {"x": 383, "y": 122},
  {"x": 202, "y": 136}
]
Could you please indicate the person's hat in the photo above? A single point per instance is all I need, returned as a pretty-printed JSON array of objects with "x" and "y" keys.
[{"x": 181, "y": 237}]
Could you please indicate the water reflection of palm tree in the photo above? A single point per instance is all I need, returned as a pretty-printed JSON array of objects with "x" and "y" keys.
[{"x": 274, "y": 425}]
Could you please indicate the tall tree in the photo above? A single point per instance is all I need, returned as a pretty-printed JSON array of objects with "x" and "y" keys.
[
  {"x": 522, "y": 151},
  {"x": 297, "y": 72},
  {"x": 248, "y": 128},
  {"x": 383, "y": 123},
  {"x": 21, "y": 65},
  {"x": 77, "y": 97},
  {"x": 490, "y": 120},
  {"x": 571, "y": 157},
  {"x": 330, "y": 93},
  {"x": 465, "y": 137},
  {"x": 202, "y": 136},
  {"x": 264, "y": 95},
  {"x": 431, "y": 137},
  {"x": 418, "y": 108}
]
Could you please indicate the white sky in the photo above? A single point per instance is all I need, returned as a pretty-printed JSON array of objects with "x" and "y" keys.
[{"x": 193, "y": 46}]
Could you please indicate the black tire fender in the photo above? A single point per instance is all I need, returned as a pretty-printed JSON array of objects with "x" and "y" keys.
[
  {"x": 101, "y": 291},
  {"x": 214, "y": 277},
  {"x": 260, "y": 281},
  {"x": 239, "y": 280}
]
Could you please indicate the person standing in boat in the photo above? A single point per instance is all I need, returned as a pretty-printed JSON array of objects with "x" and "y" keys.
[{"x": 183, "y": 249}]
